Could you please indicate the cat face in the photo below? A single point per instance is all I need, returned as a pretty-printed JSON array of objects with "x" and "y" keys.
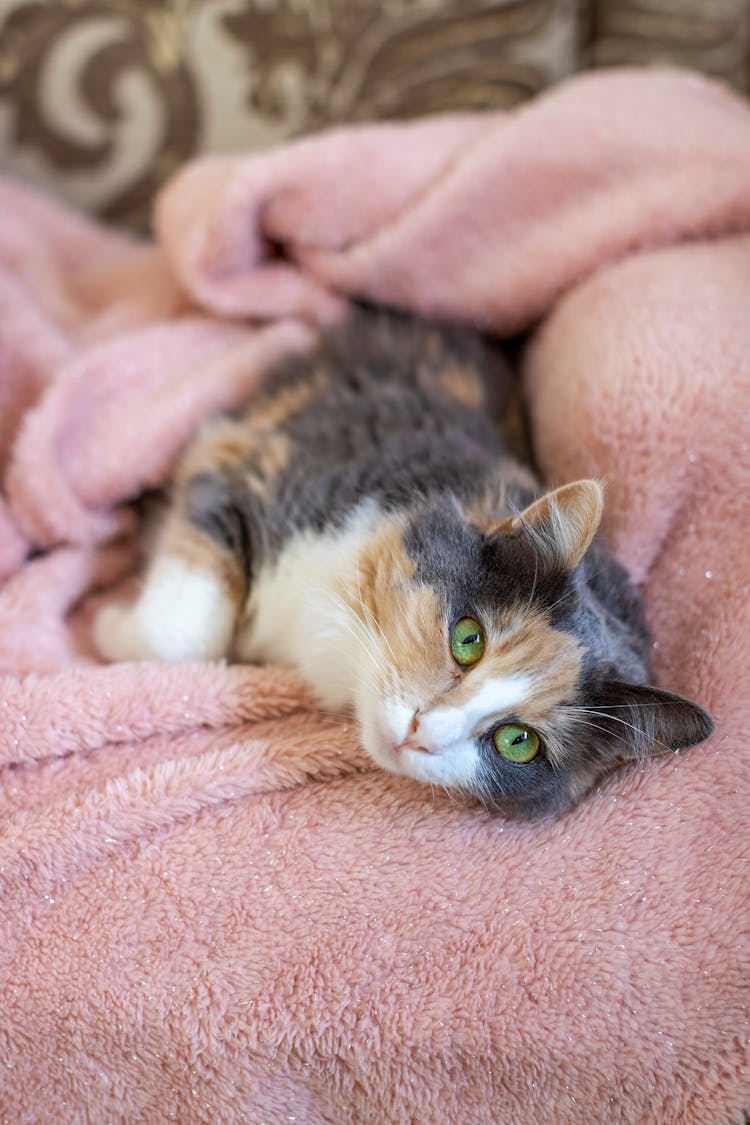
[{"x": 483, "y": 671}]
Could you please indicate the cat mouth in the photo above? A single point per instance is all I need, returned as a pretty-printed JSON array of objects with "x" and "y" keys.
[{"x": 399, "y": 747}]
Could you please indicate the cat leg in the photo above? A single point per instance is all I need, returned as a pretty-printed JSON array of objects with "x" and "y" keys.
[{"x": 194, "y": 587}]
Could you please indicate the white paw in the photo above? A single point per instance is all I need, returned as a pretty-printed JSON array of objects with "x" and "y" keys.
[{"x": 181, "y": 614}]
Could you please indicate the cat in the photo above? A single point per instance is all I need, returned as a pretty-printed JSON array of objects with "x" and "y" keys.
[{"x": 367, "y": 521}]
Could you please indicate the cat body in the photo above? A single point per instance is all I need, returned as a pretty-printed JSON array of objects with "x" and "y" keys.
[{"x": 366, "y": 521}]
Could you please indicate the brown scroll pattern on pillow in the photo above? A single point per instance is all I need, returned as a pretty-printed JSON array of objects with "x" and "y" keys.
[
  {"x": 708, "y": 35},
  {"x": 101, "y": 99}
]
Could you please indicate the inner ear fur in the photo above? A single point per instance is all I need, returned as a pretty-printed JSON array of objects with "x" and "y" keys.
[
  {"x": 562, "y": 523},
  {"x": 644, "y": 721}
]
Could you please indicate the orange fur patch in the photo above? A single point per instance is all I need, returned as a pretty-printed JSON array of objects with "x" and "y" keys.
[
  {"x": 271, "y": 410},
  {"x": 261, "y": 453},
  {"x": 222, "y": 445},
  {"x": 409, "y": 614},
  {"x": 255, "y": 442},
  {"x": 463, "y": 384},
  {"x": 460, "y": 382}
]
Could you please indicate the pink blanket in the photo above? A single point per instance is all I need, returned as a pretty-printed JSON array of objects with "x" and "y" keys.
[{"x": 213, "y": 908}]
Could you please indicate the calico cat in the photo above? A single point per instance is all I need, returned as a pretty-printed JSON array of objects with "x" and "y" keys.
[{"x": 365, "y": 521}]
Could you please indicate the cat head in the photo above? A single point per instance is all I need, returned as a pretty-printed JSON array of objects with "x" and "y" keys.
[{"x": 500, "y": 662}]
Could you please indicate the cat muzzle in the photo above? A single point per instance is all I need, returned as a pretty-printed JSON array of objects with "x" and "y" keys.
[{"x": 413, "y": 742}]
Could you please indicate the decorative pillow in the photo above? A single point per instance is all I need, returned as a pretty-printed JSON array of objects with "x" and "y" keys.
[
  {"x": 101, "y": 102},
  {"x": 713, "y": 37}
]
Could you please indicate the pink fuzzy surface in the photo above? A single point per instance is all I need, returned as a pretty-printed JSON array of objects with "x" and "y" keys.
[{"x": 213, "y": 908}]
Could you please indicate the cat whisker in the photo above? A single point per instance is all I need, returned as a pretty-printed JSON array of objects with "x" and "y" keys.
[
  {"x": 450, "y": 795},
  {"x": 530, "y": 602},
  {"x": 354, "y": 626},
  {"x": 628, "y": 706},
  {"x": 615, "y": 719},
  {"x": 379, "y": 628},
  {"x": 560, "y": 600},
  {"x": 374, "y": 621},
  {"x": 604, "y": 730},
  {"x": 638, "y": 754},
  {"x": 351, "y": 616},
  {"x": 570, "y": 592},
  {"x": 363, "y": 640}
]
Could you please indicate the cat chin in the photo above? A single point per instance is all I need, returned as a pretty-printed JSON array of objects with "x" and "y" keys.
[{"x": 455, "y": 768}]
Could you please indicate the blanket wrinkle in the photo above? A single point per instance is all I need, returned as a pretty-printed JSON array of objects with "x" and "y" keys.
[
  {"x": 75, "y": 772},
  {"x": 31, "y": 349},
  {"x": 529, "y": 209},
  {"x": 92, "y": 708},
  {"x": 36, "y": 600},
  {"x": 14, "y": 548},
  {"x": 142, "y": 801},
  {"x": 215, "y": 908},
  {"x": 217, "y": 270},
  {"x": 128, "y": 406}
]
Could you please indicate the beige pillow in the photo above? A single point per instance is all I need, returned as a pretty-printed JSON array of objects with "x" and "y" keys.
[{"x": 102, "y": 102}]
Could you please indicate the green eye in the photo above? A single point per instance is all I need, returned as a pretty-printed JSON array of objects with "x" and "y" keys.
[
  {"x": 517, "y": 744},
  {"x": 467, "y": 641}
]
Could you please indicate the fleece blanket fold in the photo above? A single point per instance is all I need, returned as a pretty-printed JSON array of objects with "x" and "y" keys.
[{"x": 213, "y": 907}]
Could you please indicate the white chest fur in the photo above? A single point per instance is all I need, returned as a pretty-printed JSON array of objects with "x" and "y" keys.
[{"x": 295, "y": 614}]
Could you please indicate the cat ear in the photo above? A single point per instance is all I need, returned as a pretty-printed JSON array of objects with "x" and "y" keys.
[
  {"x": 644, "y": 721},
  {"x": 563, "y": 523}
]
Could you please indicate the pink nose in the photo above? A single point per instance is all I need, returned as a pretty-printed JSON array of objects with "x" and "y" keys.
[{"x": 417, "y": 739}]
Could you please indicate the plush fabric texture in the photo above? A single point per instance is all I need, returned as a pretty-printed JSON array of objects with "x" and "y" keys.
[{"x": 214, "y": 908}]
